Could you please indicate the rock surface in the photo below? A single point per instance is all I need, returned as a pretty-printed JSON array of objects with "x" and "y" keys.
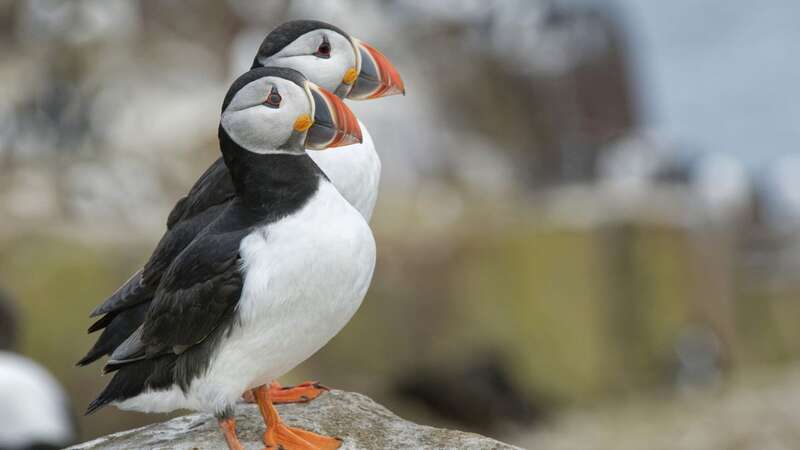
[{"x": 359, "y": 421}]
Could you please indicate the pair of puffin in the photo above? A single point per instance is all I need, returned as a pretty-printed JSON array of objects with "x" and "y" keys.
[{"x": 269, "y": 255}]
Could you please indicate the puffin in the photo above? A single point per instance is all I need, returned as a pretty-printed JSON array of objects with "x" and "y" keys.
[
  {"x": 266, "y": 283},
  {"x": 328, "y": 57},
  {"x": 35, "y": 412}
]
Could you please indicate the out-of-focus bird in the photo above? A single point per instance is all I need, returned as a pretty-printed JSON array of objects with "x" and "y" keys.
[
  {"x": 34, "y": 410},
  {"x": 280, "y": 270}
]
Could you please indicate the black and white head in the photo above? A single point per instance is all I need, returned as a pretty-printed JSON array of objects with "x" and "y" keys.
[
  {"x": 277, "y": 110},
  {"x": 330, "y": 58}
]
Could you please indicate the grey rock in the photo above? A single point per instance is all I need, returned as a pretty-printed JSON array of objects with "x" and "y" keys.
[{"x": 359, "y": 421}]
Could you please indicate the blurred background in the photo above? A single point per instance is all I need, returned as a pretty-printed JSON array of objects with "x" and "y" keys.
[{"x": 589, "y": 223}]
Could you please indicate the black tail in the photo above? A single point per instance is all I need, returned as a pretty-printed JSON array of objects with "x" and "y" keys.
[
  {"x": 118, "y": 329},
  {"x": 129, "y": 381},
  {"x": 96, "y": 404},
  {"x": 129, "y": 294},
  {"x": 102, "y": 322}
]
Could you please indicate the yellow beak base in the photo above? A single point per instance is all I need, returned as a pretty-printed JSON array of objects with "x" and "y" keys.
[
  {"x": 303, "y": 123},
  {"x": 350, "y": 76}
]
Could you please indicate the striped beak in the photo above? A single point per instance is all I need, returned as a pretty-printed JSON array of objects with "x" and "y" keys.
[
  {"x": 334, "y": 124},
  {"x": 377, "y": 77}
]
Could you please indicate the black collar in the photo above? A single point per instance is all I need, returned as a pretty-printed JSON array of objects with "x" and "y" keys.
[{"x": 272, "y": 185}]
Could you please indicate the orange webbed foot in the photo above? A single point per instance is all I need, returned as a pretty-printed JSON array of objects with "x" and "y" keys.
[
  {"x": 280, "y": 436},
  {"x": 288, "y": 438}
]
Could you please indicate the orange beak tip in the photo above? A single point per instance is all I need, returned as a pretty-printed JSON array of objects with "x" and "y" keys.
[{"x": 387, "y": 76}]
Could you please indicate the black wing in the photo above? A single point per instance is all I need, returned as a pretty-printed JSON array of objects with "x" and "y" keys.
[
  {"x": 122, "y": 312},
  {"x": 131, "y": 293},
  {"x": 200, "y": 287},
  {"x": 197, "y": 291},
  {"x": 118, "y": 327},
  {"x": 191, "y": 309},
  {"x": 207, "y": 198},
  {"x": 213, "y": 188}
]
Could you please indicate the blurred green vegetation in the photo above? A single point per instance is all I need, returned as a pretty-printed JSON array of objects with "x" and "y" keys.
[
  {"x": 572, "y": 323},
  {"x": 580, "y": 315}
]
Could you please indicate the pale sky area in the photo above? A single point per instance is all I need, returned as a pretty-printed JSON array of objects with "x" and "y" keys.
[{"x": 718, "y": 75}]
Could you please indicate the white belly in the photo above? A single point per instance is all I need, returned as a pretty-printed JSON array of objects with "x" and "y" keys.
[
  {"x": 305, "y": 277},
  {"x": 355, "y": 170}
]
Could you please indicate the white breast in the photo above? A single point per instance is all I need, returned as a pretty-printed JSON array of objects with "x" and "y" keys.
[
  {"x": 355, "y": 170},
  {"x": 305, "y": 277}
]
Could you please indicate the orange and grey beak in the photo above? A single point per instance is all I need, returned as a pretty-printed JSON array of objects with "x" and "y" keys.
[
  {"x": 377, "y": 76},
  {"x": 334, "y": 123}
]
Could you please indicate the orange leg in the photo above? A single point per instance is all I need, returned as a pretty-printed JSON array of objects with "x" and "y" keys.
[
  {"x": 302, "y": 393},
  {"x": 228, "y": 426},
  {"x": 281, "y": 436}
]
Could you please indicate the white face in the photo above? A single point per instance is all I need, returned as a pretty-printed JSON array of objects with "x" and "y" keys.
[
  {"x": 304, "y": 55},
  {"x": 254, "y": 120}
]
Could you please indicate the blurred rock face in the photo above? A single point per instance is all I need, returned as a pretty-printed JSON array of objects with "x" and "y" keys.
[
  {"x": 77, "y": 22},
  {"x": 530, "y": 89}
]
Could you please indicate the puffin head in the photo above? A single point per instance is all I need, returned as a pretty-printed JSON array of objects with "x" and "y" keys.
[
  {"x": 277, "y": 110},
  {"x": 331, "y": 58}
]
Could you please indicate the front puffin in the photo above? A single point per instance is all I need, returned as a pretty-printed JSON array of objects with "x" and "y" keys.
[{"x": 269, "y": 282}]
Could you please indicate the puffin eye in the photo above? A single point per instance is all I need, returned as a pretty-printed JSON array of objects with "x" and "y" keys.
[
  {"x": 324, "y": 49},
  {"x": 273, "y": 99}
]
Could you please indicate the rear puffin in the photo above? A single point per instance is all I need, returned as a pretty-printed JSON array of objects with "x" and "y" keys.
[{"x": 263, "y": 286}]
